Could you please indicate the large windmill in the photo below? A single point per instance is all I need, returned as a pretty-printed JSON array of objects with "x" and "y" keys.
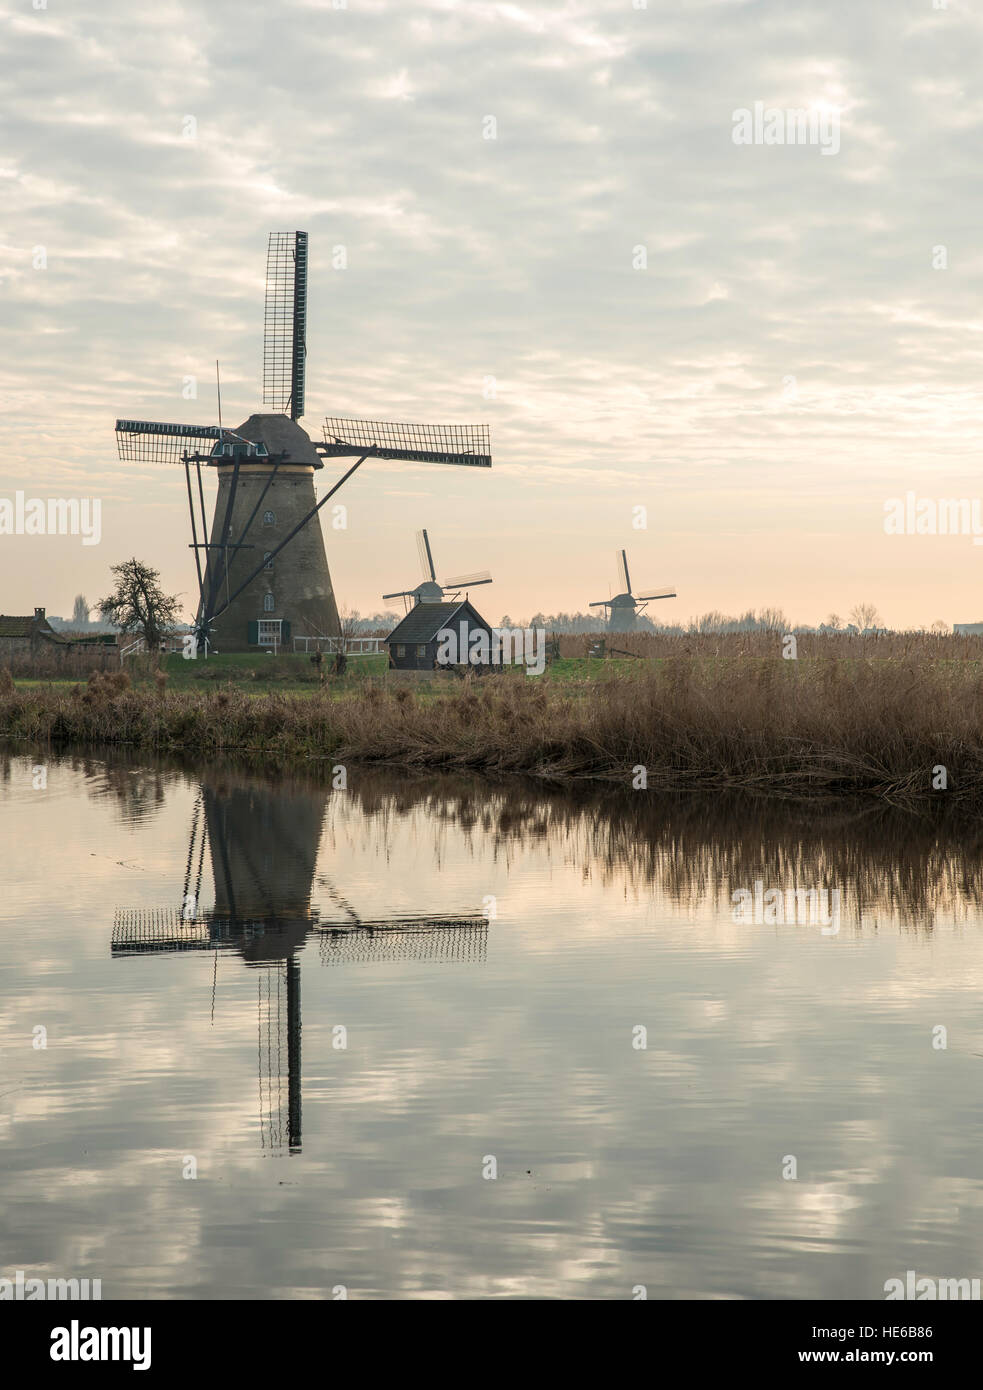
[
  {"x": 264, "y": 577},
  {"x": 624, "y": 608},
  {"x": 430, "y": 590}
]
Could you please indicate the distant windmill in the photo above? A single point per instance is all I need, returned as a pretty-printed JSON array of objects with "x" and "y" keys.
[
  {"x": 430, "y": 591},
  {"x": 626, "y": 606},
  {"x": 264, "y": 577}
]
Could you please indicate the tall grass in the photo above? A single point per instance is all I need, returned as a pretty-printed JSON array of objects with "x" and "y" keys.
[
  {"x": 51, "y": 661},
  {"x": 793, "y": 727},
  {"x": 916, "y": 646}
]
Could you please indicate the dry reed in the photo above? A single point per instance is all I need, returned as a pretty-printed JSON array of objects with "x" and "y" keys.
[{"x": 793, "y": 727}]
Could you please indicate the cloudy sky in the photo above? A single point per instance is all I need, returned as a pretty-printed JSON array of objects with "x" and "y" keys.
[{"x": 749, "y": 341}]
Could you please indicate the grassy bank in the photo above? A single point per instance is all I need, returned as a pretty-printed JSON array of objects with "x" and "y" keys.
[{"x": 819, "y": 726}]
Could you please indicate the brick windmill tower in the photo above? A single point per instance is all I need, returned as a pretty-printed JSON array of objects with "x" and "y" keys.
[{"x": 263, "y": 573}]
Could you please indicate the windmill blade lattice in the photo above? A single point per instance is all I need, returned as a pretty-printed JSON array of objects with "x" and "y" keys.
[
  {"x": 482, "y": 577},
  {"x": 459, "y": 444},
  {"x": 150, "y": 441},
  {"x": 426, "y": 939},
  {"x": 654, "y": 591},
  {"x": 426, "y": 557},
  {"x": 285, "y": 323}
]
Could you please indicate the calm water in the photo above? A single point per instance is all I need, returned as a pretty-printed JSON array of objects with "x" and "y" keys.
[{"x": 341, "y": 1005}]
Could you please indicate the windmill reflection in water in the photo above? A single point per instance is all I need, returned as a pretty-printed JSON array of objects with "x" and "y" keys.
[{"x": 262, "y": 845}]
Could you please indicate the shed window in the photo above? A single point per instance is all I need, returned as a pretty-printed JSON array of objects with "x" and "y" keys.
[
  {"x": 400, "y": 651},
  {"x": 421, "y": 650}
]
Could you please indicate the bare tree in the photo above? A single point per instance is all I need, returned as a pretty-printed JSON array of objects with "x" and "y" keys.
[
  {"x": 865, "y": 615},
  {"x": 349, "y": 629},
  {"x": 773, "y": 620},
  {"x": 710, "y": 622},
  {"x": 138, "y": 603},
  {"x": 834, "y": 621}
]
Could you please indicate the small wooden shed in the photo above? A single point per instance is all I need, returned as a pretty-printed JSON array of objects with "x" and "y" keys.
[{"x": 414, "y": 643}]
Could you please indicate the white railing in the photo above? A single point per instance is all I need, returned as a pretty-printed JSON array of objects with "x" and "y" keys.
[
  {"x": 352, "y": 646},
  {"x": 135, "y": 648}
]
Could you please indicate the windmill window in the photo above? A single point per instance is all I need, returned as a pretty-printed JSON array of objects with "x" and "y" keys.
[
  {"x": 268, "y": 559},
  {"x": 269, "y": 518},
  {"x": 269, "y": 603}
]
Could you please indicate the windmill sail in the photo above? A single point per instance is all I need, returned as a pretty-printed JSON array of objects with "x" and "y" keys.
[
  {"x": 460, "y": 444},
  {"x": 426, "y": 557},
  {"x": 152, "y": 441},
  {"x": 285, "y": 323},
  {"x": 481, "y": 577},
  {"x": 622, "y": 559},
  {"x": 432, "y": 590}
]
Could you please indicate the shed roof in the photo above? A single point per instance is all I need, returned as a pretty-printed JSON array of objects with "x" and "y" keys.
[
  {"x": 27, "y": 627},
  {"x": 425, "y": 620}
]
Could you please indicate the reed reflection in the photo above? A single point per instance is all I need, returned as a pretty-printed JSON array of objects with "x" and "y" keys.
[{"x": 895, "y": 867}]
